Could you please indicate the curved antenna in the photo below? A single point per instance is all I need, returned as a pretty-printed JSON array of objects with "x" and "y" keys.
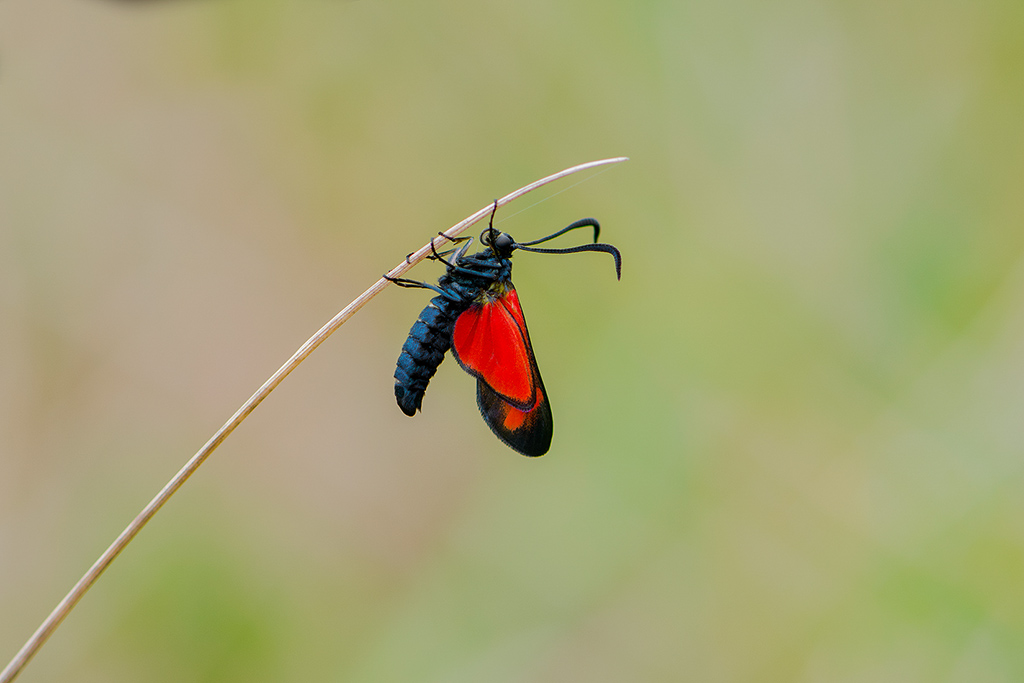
[
  {"x": 581, "y": 223},
  {"x": 606, "y": 248}
]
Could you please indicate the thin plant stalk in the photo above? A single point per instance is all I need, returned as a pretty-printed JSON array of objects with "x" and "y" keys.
[{"x": 65, "y": 606}]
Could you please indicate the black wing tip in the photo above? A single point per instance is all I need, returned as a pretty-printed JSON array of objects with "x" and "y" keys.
[
  {"x": 524, "y": 446},
  {"x": 531, "y": 441}
]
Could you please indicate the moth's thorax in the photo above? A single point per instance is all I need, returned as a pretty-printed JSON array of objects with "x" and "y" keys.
[{"x": 497, "y": 289}]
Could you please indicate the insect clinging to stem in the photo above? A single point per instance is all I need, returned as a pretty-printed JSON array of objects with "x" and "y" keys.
[{"x": 477, "y": 315}]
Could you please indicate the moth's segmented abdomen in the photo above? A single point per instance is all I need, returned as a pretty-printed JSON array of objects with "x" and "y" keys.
[{"x": 424, "y": 349}]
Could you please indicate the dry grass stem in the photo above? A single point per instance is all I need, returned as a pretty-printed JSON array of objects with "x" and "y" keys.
[{"x": 65, "y": 606}]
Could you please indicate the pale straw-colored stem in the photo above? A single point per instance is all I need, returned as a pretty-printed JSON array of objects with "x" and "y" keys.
[{"x": 58, "y": 614}]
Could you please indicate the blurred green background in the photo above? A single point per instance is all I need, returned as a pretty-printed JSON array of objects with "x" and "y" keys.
[{"x": 788, "y": 443}]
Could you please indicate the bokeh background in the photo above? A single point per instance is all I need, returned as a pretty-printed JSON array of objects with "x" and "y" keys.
[{"x": 788, "y": 443}]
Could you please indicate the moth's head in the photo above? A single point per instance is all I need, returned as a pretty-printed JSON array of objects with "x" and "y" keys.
[{"x": 501, "y": 243}]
